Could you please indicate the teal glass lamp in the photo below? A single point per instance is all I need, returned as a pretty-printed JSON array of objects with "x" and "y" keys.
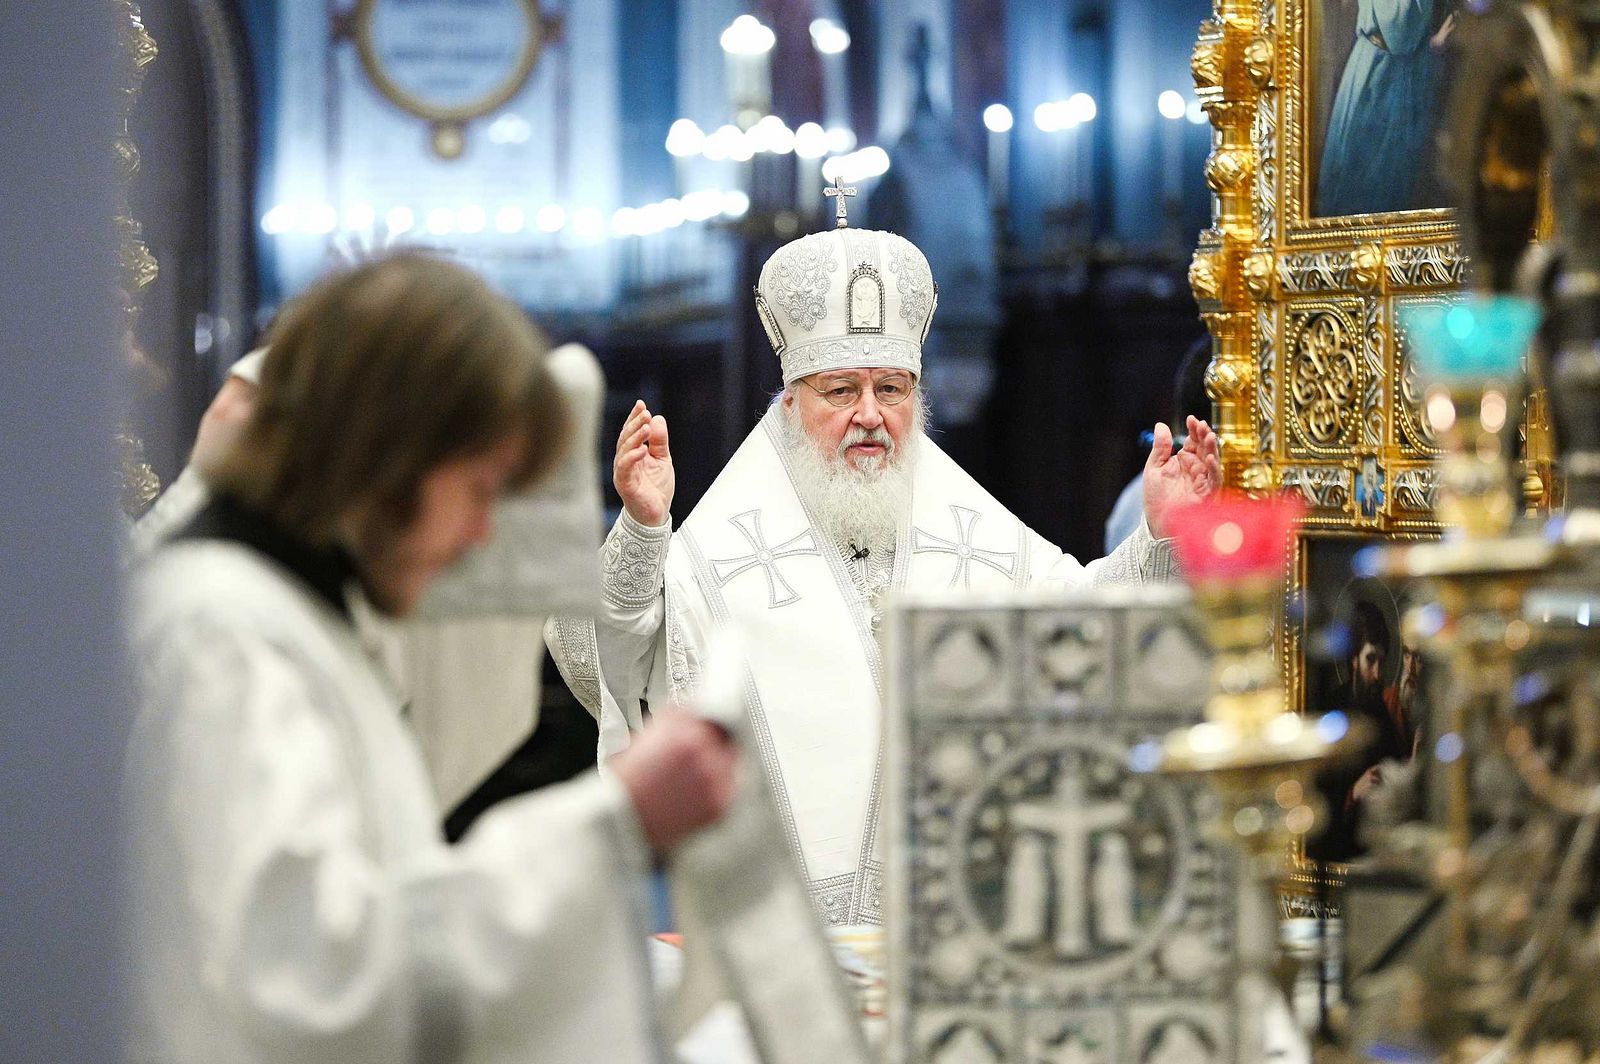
[{"x": 1469, "y": 355}]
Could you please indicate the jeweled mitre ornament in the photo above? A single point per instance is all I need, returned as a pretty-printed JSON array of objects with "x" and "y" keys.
[{"x": 847, "y": 299}]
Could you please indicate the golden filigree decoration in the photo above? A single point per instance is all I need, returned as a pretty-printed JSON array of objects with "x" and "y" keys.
[
  {"x": 139, "y": 266},
  {"x": 1302, "y": 394},
  {"x": 1261, "y": 274},
  {"x": 1415, "y": 489},
  {"x": 138, "y": 480},
  {"x": 1206, "y": 62},
  {"x": 137, "y": 51},
  {"x": 1257, "y": 478},
  {"x": 1205, "y": 277},
  {"x": 1229, "y": 169},
  {"x": 1367, "y": 266},
  {"x": 1221, "y": 66},
  {"x": 138, "y": 47},
  {"x": 1259, "y": 57},
  {"x": 138, "y": 483},
  {"x": 127, "y": 155},
  {"x": 1268, "y": 267},
  {"x": 1324, "y": 381},
  {"x": 1414, "y": 413}
]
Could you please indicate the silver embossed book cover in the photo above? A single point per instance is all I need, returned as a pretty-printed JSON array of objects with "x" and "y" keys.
[{"x": 1050, "y": 902}]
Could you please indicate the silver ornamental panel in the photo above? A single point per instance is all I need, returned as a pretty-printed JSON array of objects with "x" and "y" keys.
[{"x": 1049, "y": 902}]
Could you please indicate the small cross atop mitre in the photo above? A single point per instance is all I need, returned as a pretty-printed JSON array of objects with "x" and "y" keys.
[{"x": 838, "y": 193}]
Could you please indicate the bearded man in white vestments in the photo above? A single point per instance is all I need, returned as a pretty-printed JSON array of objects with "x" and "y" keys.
[
  {"x": 293, "y": 899},
  {"x": 837, "y": 498}
]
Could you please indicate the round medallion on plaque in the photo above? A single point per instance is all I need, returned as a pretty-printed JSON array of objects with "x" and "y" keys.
[{"x": 449, "y": 61}]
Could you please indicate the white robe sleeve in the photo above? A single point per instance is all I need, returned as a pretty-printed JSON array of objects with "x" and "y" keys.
[
  {"x": 186, "y": 496},
  {"x": 1139, "y": 559},
  {"x": 292, "y": 933},
  {"x": 188, "y": 493},
  {"x": 474, "y": 687},
  {"x": 618, "y": 663}
]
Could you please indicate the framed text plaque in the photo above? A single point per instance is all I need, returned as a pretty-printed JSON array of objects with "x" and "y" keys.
[{"x": 450, "y": 61}]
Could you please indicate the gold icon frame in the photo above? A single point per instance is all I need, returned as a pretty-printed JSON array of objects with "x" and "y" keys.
[{"x": 1310, "y": 377}]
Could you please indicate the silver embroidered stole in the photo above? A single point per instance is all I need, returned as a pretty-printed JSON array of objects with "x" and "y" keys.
[{"x": 814, "y": 670}]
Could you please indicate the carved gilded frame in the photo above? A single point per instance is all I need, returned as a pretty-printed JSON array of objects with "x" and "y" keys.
[{"x": 1310, "y": 376}]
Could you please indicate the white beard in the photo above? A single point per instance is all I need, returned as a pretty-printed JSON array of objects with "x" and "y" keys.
[{"x": 858, "y": 504}]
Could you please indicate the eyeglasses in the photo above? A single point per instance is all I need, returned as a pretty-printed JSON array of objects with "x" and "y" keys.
[{"x": 890, "y": 390}]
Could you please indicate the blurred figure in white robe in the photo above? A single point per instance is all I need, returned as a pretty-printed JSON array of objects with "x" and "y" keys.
[
  {"x": 293, "y": 898},
  {"x": 470, "y": 679}
]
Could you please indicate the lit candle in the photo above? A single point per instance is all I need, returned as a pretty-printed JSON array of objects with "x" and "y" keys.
[
  {"x": 1069, "y": 168},
  {"x": 832, "y": 41},
  {"x": 1050, "y": 117},
  {"x": 1081, "y": 111},
  {"x": 1171, "y": 107},
  {"x": 810, "y": 147},
  {"x": 746, "y": 43},
  {"x": 997, "y": 118}
]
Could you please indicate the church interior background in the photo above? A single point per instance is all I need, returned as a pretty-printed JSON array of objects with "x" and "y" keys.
[
  {"x": 1098, "y": 185},
  {"x": 1046, "y": 156}
]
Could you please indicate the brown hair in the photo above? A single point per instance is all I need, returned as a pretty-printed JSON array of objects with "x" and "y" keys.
[{"x": 376, "y": 376}]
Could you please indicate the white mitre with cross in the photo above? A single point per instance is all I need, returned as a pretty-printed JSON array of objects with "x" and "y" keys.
[{"x": 846, "y": 299}]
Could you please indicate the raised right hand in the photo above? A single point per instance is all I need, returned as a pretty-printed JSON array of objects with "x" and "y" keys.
[
  {"x": 680, "y": 774},
  {"x": 642, "y": 471}
]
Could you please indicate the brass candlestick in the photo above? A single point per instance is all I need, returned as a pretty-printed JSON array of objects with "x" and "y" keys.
[
  {"x": 1258, "y": 756},
  {"x": 1477, "y": 577}
]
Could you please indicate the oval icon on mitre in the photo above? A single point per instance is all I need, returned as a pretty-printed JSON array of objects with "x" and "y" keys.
[{"x": 866, "y": 300}]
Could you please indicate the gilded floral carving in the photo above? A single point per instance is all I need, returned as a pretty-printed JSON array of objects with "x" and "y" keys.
[
  {"x": 1205, "y": 276},
  {"x": 1206, "y": 64},
  {"x": 1258, "y": 60},
  {"x": 1261, "y": 274},
  {"x": 1323, "y": 378}
]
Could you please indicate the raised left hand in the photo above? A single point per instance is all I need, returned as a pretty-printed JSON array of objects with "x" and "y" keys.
[{"x": 1174, "y": 480}]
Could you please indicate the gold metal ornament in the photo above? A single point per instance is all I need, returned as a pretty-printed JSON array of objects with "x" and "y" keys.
[
  {"x": 1256, "y": 478},
  {"x": 1287, "y": 295},
  {"x": 139, "y": 484},
  {"x": 1367, "y": 267},
  {"x": 1259, "y": 57},
  {"x": 1476, "y": 583},
  {"x": 1206, "y": 64},
  {"x": 1261, "y": 275},
  {"x": 1205, "y": 276},
  {"x": 137, "y": 50},
  {"x": 1227, "y": 170},
  {"x": 1308, "y": 377},
  {"x": 1259, "y": 757},
  {"x": 1324, "y": 378}
]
